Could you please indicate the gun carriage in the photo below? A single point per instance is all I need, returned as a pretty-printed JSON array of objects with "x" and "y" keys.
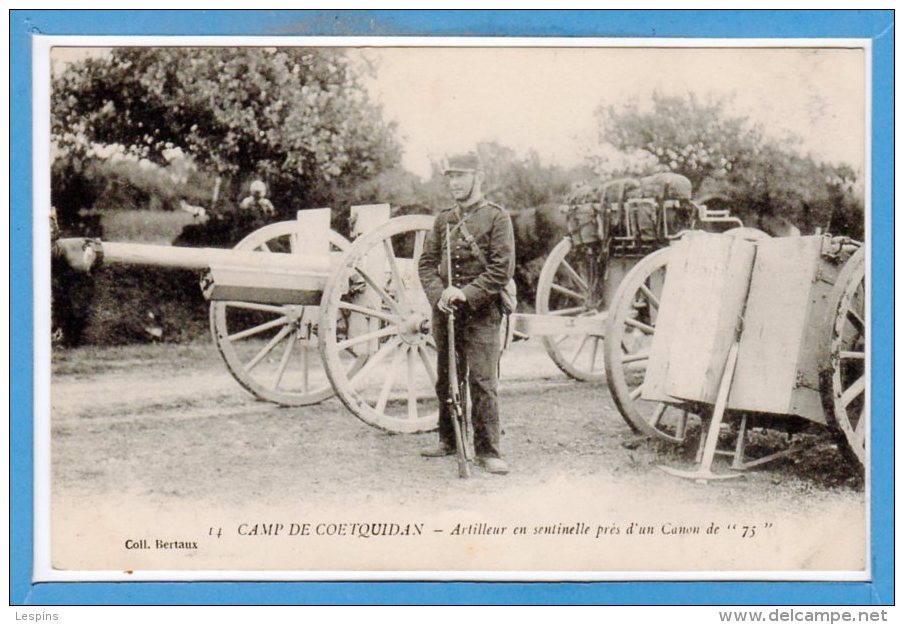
[{"x": 299, "y": 313}]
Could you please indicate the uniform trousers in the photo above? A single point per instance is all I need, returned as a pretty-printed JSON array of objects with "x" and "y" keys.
[{"x": 478, "y": 344}]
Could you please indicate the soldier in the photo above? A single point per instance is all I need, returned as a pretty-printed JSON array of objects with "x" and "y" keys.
[
  {"x": 257, "y": 201},
  {"x": 478, "y": 278}
]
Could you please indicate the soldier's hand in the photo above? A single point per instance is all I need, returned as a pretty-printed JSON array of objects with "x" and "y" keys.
[{"x": 449, "y": 298}]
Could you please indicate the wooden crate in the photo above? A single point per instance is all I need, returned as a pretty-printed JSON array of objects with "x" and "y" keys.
[
  {"x": 703, "y": 296},
  {"x": 778, "y": 287},
  {"x": 779, "y": 355}
]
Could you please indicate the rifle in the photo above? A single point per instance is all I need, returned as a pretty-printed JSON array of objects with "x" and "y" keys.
[{"x": 454, "y": 399}]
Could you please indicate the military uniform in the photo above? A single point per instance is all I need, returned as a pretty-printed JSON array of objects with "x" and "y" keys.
[{"x": 477, "y": 327}]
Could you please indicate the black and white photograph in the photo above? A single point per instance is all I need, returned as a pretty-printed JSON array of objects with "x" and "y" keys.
[{"x": 452, "y": 309}]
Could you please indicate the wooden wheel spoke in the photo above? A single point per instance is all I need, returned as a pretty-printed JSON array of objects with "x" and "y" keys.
[
  {"x": 846, "y": 355},
  {"x": 853, "y": 391},
  {"x": 374, "y": 360},
  {"x": 282, "y": 321},
  {"x": 657, "y": 414},
  {"x": 386, "y": 297},
  {"x": 681, "y": 425},
  {"x": 636, "y": 392},
  {"x": 394, "y": 269},
  {"x": 558, "y": 288},
  {"x": 370, "y": 312},
  {"x": 284, "y": 361},
  {"x": 305, "y": 368},
  {"x": 640, "y": 325},
  {"x": 412, "y": 385},
  {"x": 860, "y": 429},
  {"x": 649, "y": 295},
  {"x": 564, "y": 312},
  {"x": 856, "y": 320},
  {"x": 596, "y": 344},
  {"x": 428, "y": 366},
  {"x": 574, "y": 275},
  {"x": 369, "y": 336},
  {"x": 629, "y": 358},
  {"x": 419, "y": 239},
  {"x": 279, "y": 310},
  {"x": 577, "y": 352},
  {"x": 267, "y": 348},
  {"x": 388, "y": 381}
]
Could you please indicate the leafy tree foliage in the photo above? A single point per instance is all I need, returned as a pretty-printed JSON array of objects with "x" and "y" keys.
[
  {"x": 725, "y": 154},
  {"x": 398, "y": 187},
  {"x": 298, "y": 118},
  {"x": 516, "y": 182}
]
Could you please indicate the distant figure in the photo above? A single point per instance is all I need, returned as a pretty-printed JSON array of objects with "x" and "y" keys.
[
  {"x": 198, "y": 212},
  {"x": 257, "y": 202}
]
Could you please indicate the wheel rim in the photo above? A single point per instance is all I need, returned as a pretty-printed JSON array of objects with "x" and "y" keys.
[
  {"x": 846, "y": 387},
  {"x": 630, "y": 327},
  {"x": 571, "y": 285},
  {"x": 377, "y": 285},
  {"x": 271, "y": 350}
]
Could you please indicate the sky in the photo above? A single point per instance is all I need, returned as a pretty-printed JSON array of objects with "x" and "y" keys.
[{"x": 445, "y": 100}]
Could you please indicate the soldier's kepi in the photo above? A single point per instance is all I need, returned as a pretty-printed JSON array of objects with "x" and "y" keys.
[{"x": 469, "y": 284}]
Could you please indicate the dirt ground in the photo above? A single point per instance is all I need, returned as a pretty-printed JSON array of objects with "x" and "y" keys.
[{"x": 164, "y": 427}]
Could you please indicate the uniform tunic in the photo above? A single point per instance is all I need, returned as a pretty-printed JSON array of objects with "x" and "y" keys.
[{"x": 477, "y": 323}]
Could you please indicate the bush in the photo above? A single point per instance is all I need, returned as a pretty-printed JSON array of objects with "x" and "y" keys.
[{"x": 143, "y": 305}]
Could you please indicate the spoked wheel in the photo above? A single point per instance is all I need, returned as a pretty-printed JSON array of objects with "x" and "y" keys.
[
  {"x": 377, "y": 286},
  {"x": 844, "y": 381},
  {"x": 271, "y": 350},
  {"x": 630, "y": 327},
  {"x": 571, "y": 285}
]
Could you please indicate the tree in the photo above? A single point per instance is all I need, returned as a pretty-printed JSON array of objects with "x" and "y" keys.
[
  {"x": 298, "y": 118},
  {"x": 720, "y": 152},
  {"x": 398, "y": 187},
  {"x": 684, "y": 135}
]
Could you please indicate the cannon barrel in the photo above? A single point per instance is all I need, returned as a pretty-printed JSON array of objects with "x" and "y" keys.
[
  {"x": 232, "y": 274},
  {"x": 205, "y": 258},
  {"x": 85, "y": 253}
]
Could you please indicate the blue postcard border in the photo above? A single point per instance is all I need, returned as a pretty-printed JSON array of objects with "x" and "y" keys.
[{"x": 876, "y": 25}]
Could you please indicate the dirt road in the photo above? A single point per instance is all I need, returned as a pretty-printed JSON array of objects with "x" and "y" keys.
[{"x": 164, "y": 430}]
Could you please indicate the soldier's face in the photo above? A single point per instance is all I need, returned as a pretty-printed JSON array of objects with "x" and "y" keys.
[{"x": 462, "y": 184}]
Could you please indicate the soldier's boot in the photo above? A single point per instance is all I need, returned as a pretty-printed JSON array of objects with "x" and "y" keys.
[
  {"x": 443, "y": 449},
  {"x": 492, "y": 464}
]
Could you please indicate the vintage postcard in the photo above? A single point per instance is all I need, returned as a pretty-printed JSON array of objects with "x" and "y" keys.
[{"x": 245, "y": 249}]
